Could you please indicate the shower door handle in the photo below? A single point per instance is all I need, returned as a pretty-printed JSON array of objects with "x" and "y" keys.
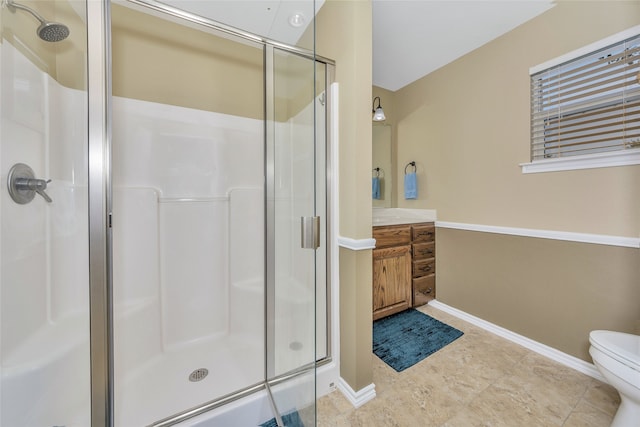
[{"x": 310, "y": 232}]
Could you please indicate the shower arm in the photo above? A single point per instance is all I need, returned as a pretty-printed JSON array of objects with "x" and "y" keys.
[
  {"x": 47, "y": 31},
  {"x": 12, "y": 6}
]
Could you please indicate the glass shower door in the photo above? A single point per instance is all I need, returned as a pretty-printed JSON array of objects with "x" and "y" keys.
[
  {"x": 188, "y": 216},
  {"x": 190, "y": 160},
  {"x": 293, "y": 234},
  {"x": 44, "y": 276}
]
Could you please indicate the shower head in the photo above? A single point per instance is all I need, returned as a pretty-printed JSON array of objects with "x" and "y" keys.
[
  {"x": 53, "y": 31},
  {"x": 47, "y": 31}
]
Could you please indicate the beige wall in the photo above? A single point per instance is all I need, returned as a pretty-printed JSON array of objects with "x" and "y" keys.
[
  {"x": 554, "y": 292},
  {"x": 344, "y": 34},
  {"x": 467, "y": 127},
  {"x": 159, "y": 61}
]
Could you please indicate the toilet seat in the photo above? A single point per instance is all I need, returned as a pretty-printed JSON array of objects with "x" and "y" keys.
[{"x": 625, "y": 348}]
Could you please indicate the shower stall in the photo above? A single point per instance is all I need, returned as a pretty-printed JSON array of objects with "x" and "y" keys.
[{"x": 164, "y": 194}]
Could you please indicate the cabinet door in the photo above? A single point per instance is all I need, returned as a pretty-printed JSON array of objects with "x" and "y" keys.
[
  {"x": 392, "y": 235},
  {"x": 391, "y": 280},
  {"x": 424, "y": 250},
  {"x": 423, "y": 233},
  {"x": 424, "y": 289},
  {"x": 423, "y": 267}
]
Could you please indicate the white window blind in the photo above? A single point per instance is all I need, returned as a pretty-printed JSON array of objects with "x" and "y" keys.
[{"x": 590, "y": 104}]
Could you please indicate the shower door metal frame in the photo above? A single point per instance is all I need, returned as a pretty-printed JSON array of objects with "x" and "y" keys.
[
  {"x": 99, "y": 135},
  {"x": 100, "y": 203}
]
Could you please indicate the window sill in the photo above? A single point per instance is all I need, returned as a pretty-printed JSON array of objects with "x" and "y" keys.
[{"x": 589, "y": 161}]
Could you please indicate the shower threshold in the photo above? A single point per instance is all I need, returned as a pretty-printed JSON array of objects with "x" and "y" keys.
[{"x": 237, "y": 396}]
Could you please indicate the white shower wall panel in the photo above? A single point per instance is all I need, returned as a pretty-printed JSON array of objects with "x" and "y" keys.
[
  {"x": 294, "y": 197},
  {"x": 44, "y": 245},
  {"x": 136, "y": 266},
  {"x": 246, "y": 263},
  {"x": 303, "y": 191},
  {"x": 136, "y": 274},
  {"x": 44, "y": 253},
  {"x": 25, "y": 302},
  {"x": 69, "y": 251},
  {"x": 23, "y": 228},
  {"x": 188, "y": 213},
  {"x": 194, "y": 277},
  {"x": 295, "y": 284},
  {"x": 67, "y": 168},
  {"x": 190, "y": 227},
  {"x": 67, "y": 157},
  {"x": 184, "y": 152}
]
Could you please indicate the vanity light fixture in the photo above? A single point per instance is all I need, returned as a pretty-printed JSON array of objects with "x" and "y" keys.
[{"x": 378, "y": 114}]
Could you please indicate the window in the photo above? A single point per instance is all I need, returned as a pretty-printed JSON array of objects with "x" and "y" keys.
[{"x": 585, "y": 107}]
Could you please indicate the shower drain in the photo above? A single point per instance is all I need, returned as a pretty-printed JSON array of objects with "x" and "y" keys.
[{"x": 198, "y": 375}]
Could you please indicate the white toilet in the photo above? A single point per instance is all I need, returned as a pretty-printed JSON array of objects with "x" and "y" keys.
[{"x": 617, "y": 357}]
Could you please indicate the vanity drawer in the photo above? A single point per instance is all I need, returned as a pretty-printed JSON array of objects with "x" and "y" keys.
[
  {"x": 424, "y": 250},
  {"x": 424, "y": 289},
  {"x": 423, "y": 233},
  {"x": 424, "y": 267},
  {"x": 392, "y": 235}
]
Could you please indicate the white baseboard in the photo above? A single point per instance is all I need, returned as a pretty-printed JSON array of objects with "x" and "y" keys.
[
  {"x": 550, "y": 352},
  {"x": 357, "y": 398}
]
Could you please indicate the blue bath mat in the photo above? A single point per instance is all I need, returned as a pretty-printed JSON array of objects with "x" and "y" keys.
[
  {"x": 292, "y": 419},
  {"x": 403, "y": 339}
]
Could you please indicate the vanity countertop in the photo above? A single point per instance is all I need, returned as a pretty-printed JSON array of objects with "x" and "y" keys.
[{"x": 395, "y": 216}]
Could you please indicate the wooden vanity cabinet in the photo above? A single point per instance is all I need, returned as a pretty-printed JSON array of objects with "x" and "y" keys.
[
  {"x": 391, "y": 270},
  {"x": 404, "y": 267},
  {"x": 423, "y": 244}
]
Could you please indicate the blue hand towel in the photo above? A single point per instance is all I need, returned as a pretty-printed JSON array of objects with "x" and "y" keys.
[
  {"x": 375, "y": 187},
  {"x": 410, "y": 186}
]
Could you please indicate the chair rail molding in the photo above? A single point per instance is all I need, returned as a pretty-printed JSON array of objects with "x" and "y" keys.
[
  {"x": 356, "y": 244},
  {"x": 600, "y": 239}
]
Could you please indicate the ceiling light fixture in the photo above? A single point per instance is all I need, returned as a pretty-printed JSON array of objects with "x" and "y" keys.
[
  {"x": 378, "y": 114},
  {"x": 297, "y": 20}
]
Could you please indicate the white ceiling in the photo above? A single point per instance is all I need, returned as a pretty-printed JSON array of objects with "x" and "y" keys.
[
  {"x": 411, "y": 38},
  {"x": 267, "y": 18}
]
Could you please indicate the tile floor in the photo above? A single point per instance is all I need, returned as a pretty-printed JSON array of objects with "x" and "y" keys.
[{"x": 478, "y": 380}]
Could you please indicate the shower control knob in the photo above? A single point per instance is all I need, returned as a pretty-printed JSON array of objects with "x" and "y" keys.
[
  {"x": 39, "y": 185},
  {"x": 23, "y": 185}
]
